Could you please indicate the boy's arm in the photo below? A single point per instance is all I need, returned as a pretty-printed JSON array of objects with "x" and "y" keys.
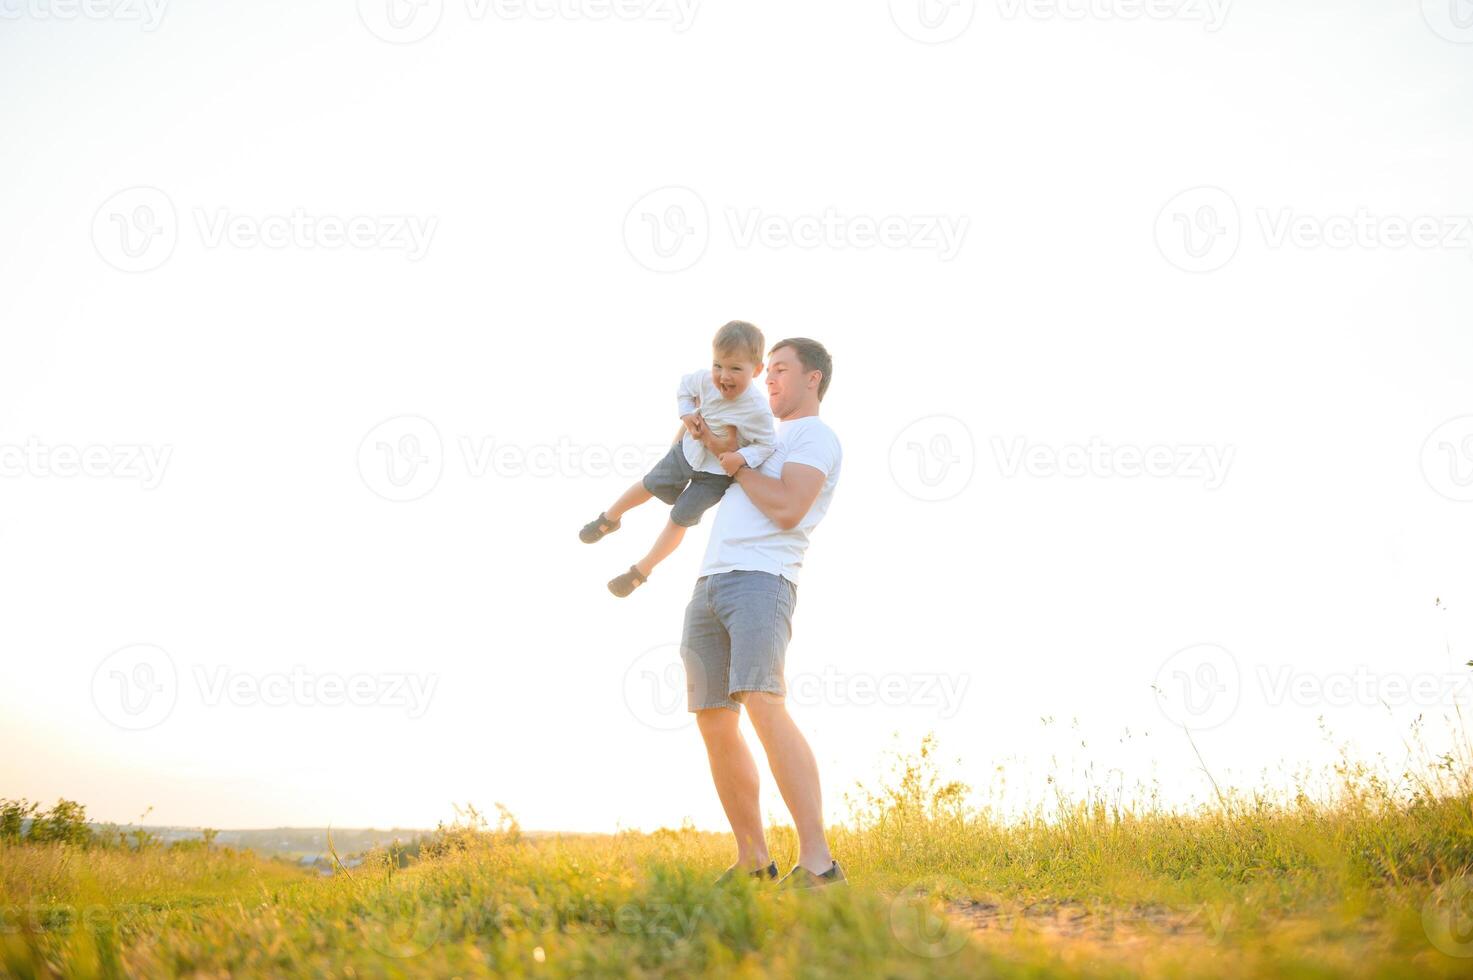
[
  {"x": 688, "y": 398},
  {"x": 761, "y": 433}
]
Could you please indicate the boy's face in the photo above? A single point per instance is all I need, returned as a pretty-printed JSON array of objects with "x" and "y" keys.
[{"x": 732, "y": 371}]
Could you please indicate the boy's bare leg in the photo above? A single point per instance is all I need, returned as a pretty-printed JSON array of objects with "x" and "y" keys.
[
  {"x": 666, "y": 543},
  {"x": 630, "y": 499}
]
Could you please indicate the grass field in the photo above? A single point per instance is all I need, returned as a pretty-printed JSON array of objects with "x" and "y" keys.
[{"x": 1370, "y": 884}]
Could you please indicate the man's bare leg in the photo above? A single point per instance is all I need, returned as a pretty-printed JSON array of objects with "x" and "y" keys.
[
  {"x": 796, "y": 772},
  {"x": 735, "y": 773},
  {"x": 627, "y": 501},
  {"x": 665, "y": 544}
]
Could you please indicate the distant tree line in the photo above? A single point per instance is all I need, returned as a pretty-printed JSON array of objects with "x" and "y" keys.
[{"x": 24, "y": 822}]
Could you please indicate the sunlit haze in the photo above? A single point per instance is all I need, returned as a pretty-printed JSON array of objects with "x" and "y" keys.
[{"x": 320, "y": 338}]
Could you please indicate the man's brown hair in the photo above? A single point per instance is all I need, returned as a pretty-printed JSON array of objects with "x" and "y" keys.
[
  {"x": 740, "y": 337},
  {"x": 813, "y": 356}
]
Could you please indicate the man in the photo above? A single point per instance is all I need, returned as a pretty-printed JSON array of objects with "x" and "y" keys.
[{"x": 739, "y": 619}]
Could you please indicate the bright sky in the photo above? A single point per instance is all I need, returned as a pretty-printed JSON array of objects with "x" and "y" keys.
[{"x": 1151, "y": 335}]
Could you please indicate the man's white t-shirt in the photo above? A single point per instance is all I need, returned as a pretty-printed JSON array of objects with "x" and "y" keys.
[{"x": 744, "y": 538}]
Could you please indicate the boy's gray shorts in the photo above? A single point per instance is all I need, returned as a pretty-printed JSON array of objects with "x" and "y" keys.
[
  {"x": 689, "y": 492},
  {"x": 737, "y": 628}
]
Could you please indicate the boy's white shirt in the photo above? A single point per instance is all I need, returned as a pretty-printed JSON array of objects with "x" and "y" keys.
[{"x": 749, "y": 412}]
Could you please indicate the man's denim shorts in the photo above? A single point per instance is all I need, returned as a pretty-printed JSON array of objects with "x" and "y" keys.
[
  {"x": 689, "y": 492},
  {"x": 735, "y": 640}
]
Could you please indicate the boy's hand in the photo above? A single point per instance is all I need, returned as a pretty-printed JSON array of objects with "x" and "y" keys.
[
  {"x": 731, "y": 462},
  {"x": 694, "y": 424},
  {"x": 717, "y": 445}
]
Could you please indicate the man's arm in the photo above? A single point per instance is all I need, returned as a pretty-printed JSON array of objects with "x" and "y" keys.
[{"x": 785, "y": 499}]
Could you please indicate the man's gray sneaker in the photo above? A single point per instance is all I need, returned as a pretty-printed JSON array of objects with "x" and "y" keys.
[
  {"x": 768, "y": 873},
  {"x": 801, "y": 877}
]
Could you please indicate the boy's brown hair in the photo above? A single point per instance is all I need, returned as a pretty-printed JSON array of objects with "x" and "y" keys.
[{"x": 739, "y": 337}]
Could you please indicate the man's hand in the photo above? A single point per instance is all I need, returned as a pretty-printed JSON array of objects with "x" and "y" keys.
[{"x": 731, "y": 462}]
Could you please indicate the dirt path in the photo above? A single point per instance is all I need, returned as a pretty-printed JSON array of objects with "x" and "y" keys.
[{"x": 1078, "y": 921}]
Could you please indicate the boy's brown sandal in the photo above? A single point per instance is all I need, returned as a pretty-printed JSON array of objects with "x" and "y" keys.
[
  {"x": 596, "y": 529},
  {"x": 622, "y": 585}
]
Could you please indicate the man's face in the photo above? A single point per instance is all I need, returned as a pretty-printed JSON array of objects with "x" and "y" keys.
[
  {"x": 787, "y": 382},
  {"x": 732, "y": 372}
]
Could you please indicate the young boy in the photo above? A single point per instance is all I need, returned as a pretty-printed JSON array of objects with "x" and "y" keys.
[{"x": 722, "y": 412}]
